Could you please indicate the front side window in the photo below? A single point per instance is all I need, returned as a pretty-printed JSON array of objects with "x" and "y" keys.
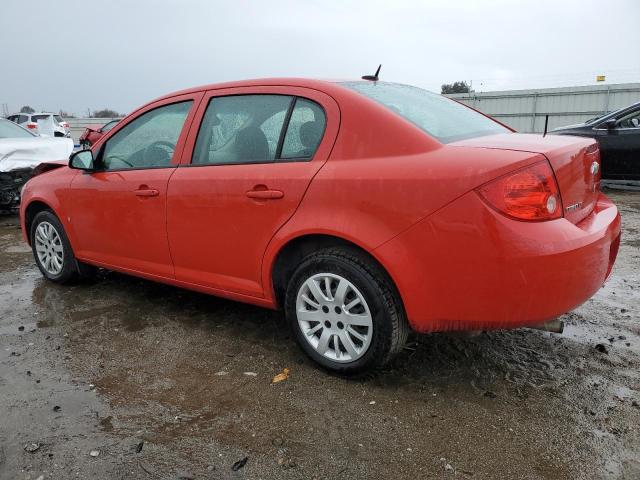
[
  {"x": 442, "y": 118},
  {"x": 241, "y": 129},
  {"x": 148, "y": 141},
  {"x": 632, "y": 120}
]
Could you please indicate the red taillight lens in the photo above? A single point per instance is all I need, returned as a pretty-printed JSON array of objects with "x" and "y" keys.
[
  {"x": 530, "y": 193},
  {"x": 32, "y": 125}
]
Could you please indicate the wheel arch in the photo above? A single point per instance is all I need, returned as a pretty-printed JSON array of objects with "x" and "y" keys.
[
  {"x": 292, "y": 251},
  {"x": 33, "y": 208}
]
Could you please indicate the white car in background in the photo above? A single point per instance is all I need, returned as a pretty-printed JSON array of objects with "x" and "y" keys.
[
  {"x": 21, "y": 151},
  {"x": 30, "y": 121}
]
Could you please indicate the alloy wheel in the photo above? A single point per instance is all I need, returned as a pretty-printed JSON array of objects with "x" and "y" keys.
[
  {"x": 49, "y": 248},
  {"x": 334, "y": 317}
]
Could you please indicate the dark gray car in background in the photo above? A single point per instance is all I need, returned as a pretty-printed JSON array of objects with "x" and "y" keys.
[{"x": 618, "y": 134}]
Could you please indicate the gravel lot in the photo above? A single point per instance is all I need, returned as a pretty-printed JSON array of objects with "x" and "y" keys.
[{"x": 123, "y": 378}]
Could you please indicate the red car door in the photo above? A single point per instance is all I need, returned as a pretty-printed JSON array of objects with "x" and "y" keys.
[
  {"x": 243, "y": 173},
  {"x": 118, "y": 211}
]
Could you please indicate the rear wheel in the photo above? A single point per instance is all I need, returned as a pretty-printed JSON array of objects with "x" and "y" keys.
[
  {"x": 51, "y": 248},
  {"x": 344, "y": 311}
]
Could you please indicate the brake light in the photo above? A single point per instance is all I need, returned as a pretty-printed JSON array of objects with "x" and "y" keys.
[
  {"x": 32, "y": 125},
  {"x": 530, "y": 194}
]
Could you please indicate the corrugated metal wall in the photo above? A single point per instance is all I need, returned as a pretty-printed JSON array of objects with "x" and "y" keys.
[{"x": 525, "y": 110}]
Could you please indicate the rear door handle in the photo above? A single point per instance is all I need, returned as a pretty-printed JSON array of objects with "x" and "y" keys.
[
  {"x": 147, "y": 192},
  {"x": 265, "y": 194}
]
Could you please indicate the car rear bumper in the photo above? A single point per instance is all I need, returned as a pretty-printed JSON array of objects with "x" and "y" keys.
[{"x": 467, "y": 267}]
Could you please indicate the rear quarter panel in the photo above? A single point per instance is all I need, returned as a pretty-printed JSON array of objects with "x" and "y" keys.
[{"x": 373, "y": 199}]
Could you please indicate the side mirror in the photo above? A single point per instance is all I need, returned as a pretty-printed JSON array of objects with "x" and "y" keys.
[
  {"x": 82, "y": 160},
  {"x": 610, "y": 124}
]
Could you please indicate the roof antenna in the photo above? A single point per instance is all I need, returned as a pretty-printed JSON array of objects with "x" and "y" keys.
[
  {"x": 546, "y": 124},
  {"x": 373, "y": 78}
]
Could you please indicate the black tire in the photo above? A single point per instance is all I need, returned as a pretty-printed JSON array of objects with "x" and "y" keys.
[
  {"x": 390, "y": 326},
  {"x": 69, "y": 269}
]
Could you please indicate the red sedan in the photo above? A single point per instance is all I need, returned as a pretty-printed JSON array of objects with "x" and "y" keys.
[
  {"x": 91, "y": 136},
  {"x": 363, "y": 209}
]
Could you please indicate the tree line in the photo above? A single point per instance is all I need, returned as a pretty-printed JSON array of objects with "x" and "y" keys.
[{"x": 104, "y": 113}]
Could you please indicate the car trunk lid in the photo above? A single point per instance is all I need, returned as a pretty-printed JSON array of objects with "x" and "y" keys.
[{"x": 575, "y": 162}]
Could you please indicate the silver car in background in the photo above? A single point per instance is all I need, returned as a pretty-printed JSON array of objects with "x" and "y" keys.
[{"x": 30, "y": 121}]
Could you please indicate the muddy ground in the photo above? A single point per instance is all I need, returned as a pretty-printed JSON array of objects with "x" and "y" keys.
[{"x": 160, "y": 383}]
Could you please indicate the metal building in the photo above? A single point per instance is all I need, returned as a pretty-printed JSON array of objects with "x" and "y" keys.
[{"x": 525, "y": 110}]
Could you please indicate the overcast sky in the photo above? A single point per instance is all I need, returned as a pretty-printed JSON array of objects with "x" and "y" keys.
[{"x": 80, "y": 54}]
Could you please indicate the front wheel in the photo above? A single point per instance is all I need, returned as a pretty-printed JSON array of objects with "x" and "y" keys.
[
  {"x": 344, "y": 311},
  {"x": 51, "y": 248}
]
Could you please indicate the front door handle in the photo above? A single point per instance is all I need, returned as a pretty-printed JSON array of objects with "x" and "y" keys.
[
  {"x": 147, "y": 192},
  {"x": 265, "y": 194}
]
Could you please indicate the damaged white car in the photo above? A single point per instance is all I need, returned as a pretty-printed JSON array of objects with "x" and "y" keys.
[{"x": 20, "y": 153}]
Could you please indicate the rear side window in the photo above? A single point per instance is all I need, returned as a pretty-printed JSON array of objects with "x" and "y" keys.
[
  {"x": 241, "y": 129},
  {"x": 22, "y": 119},
  {"x": 305, "y": 130},
  {"x": 258, "y": 129},
  {"x": 440, "y": 117}
]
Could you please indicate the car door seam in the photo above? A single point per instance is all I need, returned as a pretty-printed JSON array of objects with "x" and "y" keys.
[
  {"x": 195, "y": 107},
  {"x": 304, "y": 194}
]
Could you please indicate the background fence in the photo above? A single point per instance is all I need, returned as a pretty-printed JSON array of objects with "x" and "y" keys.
[{"x": 525, "y": 110}]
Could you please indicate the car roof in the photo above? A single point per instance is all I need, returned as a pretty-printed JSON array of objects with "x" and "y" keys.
[
  {"x": 264, "y": 82},
  {"x": 34, "y": 113}
]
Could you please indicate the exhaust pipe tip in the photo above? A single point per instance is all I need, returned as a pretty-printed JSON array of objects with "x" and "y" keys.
[{"x": 553, "y": 326}]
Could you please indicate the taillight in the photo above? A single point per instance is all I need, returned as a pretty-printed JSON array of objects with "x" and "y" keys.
[
  {"x": 530, "y": 193},
  {"x": 32, "y": 125}
]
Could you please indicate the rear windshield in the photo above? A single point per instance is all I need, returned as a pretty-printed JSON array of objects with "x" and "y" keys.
[
  {"x": 35, "y": 118},
  {"x": 11, "y": 130},
  {"x": 443, "y": 119}
]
